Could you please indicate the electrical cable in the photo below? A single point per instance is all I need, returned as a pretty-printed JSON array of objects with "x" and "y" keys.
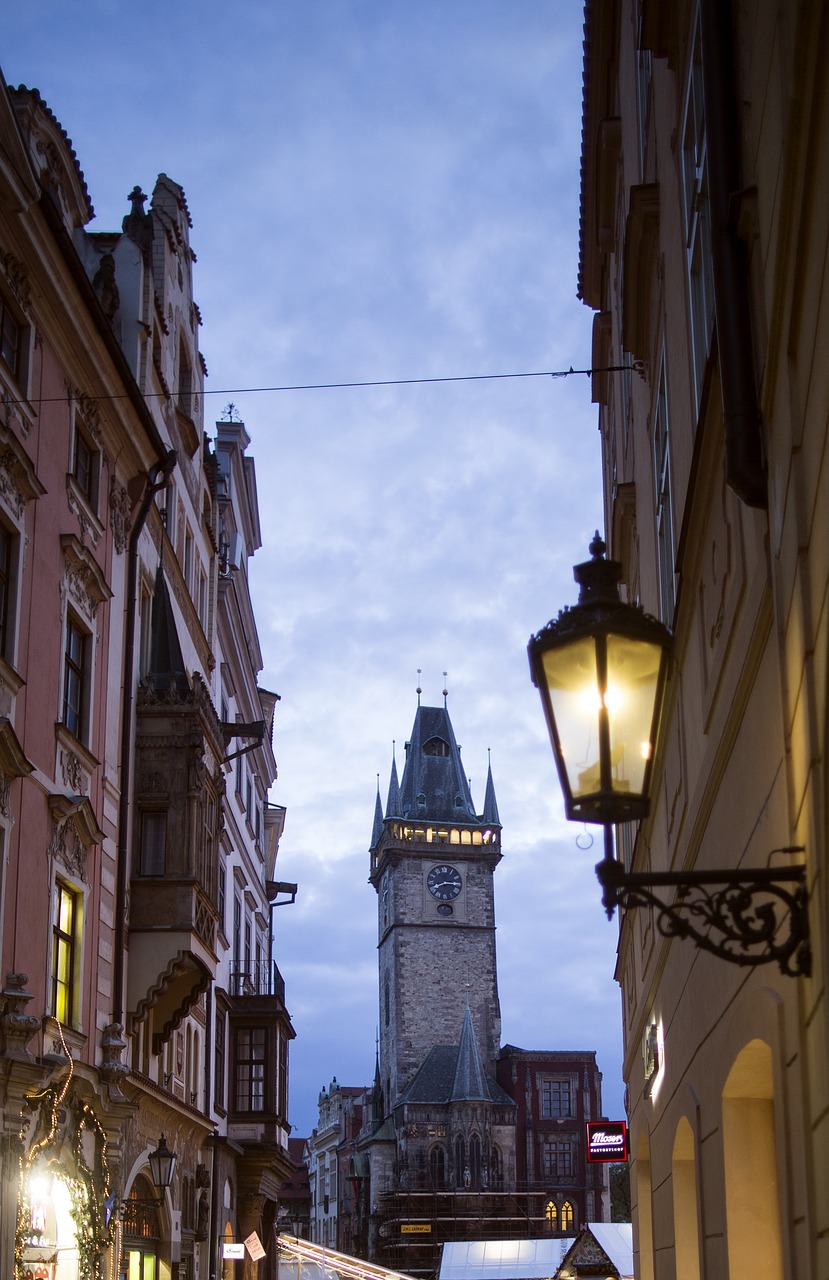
[{"x": 387, "y": 382}]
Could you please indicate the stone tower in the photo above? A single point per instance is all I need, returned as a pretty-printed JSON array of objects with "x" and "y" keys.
[{"x": 432, "y": 864}]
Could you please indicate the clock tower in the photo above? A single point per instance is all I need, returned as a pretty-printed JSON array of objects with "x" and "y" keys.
[{"x": 432, "y": 864}]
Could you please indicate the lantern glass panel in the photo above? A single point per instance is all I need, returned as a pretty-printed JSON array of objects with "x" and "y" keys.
[
  {"x": 570, "y": 676},
  {"x": 633, "y": 667}
]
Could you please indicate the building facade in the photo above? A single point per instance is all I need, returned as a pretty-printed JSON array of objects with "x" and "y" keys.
[
  {"x": 456, "y": 1141},
  {"x": 138, "y": 845},
  {"x": 704, "y": 234}
]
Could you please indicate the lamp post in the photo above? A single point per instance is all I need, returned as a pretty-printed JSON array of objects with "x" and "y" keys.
[{"x": 601, "y": 667}]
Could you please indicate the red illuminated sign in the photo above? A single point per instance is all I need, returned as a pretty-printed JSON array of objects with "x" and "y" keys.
[{"x": 607, "y": 1141}]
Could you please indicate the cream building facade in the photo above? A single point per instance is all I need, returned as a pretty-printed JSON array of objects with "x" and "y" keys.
[{"x": 704, "y": 237}]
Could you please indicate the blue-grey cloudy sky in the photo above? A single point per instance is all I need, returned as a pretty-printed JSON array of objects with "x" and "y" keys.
[{"x": 381, "y": 189}]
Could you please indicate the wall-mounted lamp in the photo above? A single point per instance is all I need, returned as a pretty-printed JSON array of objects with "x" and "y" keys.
[
  {"x": 162, "y": 1164},
  {"x": 601, "y": 667}
]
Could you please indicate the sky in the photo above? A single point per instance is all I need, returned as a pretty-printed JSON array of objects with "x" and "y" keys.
[{"x": 382, "y": 191}]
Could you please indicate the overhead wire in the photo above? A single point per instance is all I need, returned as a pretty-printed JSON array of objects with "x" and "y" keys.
[{"x": 385, "y": 382}]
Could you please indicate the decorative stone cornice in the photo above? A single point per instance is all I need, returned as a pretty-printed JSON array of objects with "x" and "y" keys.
[
  {"x": 83, "y": 577},
  {"x": 19, "y": 483}
]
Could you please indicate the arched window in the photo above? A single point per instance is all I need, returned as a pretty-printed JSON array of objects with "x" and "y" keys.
[
  {"x": 142, "y": 1231},
  {"x": 436, "y": 747},
  {"x": 551, "y": 1215},
  {"x": 475, "y": 1161},
  {"x": 437, "y": 1168},
  {"x": 568, "y": 1217},
  {"x": 460, "y": 1161},
  {"x": 496, "y": 1170}
]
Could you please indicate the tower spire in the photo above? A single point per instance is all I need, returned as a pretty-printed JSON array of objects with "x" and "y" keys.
[{"x": 490, "y": 813}]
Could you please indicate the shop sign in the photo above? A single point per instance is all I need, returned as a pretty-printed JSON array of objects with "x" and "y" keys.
[
  {"x": 233, "y": 1250},
  {"x": 607, "y": 1141},
  {"x": 415, "y": 1228},
  {"x": 254, "y": 1246}
]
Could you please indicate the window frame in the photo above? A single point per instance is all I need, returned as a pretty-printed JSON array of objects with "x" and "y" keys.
[
  {"x": 65, "y": 955},
  {"x": 551, "y": 1095},
  {"x": 253, "y": 1071},
  {"x": 77, "y": 673},
  {"x": 13, "y": 317}
]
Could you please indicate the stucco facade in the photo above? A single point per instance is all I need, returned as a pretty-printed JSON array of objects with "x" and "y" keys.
[
  {"x": 138, "y": 845},
  {"x": 704, "y": 231}
]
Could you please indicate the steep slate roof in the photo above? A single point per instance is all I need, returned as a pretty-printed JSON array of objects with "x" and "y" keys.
[
  {"x": 434, "y": 786},
  {"x": 393, "y": 801},
  {"x": 455, "y": 1073},
  {"x": 166, "y": 659},
  {"x": 470, "y": 1080},
  {"x": 490, "y": 813},
  {"x": 377, "y": 828}
]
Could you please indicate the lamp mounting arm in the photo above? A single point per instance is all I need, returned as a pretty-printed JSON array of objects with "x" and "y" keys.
[{"x": 746, "y": 917}]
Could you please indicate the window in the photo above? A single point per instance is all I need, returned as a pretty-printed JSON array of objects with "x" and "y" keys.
[
  {"x": 219, "y": 1059},
  {"x": 85, "y": 462},
  {"x": 696, "y": 218},
  {"x": 222, "y": 895},
  {"x": 237, "y": 930},
  {"x": 185, "y": 381},
  {"x": 568, "y": 1217},
  {"x": 663, "y": 500},
  {"x": 65, "y": 936},
  {"x": 551, "y": 1214},
  {"x": 437, "y": 1168},
  {"x": 189, "y": 552},
  {"x": 556, "y": 1098},
  {"x": 460, "y": 1162},
  {"x": 251, "y": 1044},
  {"x": 436, "y": 747},
  {"x": 12, "y": 340},
  {"x": 75, "y": 678},
  {"x": 558, "y": 1158},
  {"x": 282, "y": 1096},
  {"x": 7, "y": 549},
  {"x": 153, "y": 843},
  {"x": 475, "y": 1161}
]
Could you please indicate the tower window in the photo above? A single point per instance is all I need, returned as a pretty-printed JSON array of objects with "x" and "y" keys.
[{"x": 436, "y": 747}]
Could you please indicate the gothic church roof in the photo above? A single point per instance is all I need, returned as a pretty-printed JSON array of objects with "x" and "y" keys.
[
  {"x": 434, "y": 785},
  {"x": 453, "y": 1073}
]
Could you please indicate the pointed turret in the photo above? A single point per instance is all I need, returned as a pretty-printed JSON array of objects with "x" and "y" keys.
[
  {"x": 434, "y": 786},
  {"x": 490, "y": 813},
  {"x": 393, "y": 801},
  {"x": 469, "y": 1083},
  {"x": 377, "y": 828},
  {"x": 166, "y": 667}
]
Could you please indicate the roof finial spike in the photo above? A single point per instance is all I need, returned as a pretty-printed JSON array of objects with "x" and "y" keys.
[
  {"x": 419, "y": 690},
  {"x": 378, "y": 784},
  {"x": 445, "y": 690},
  {"x": 393, "y": 745}
]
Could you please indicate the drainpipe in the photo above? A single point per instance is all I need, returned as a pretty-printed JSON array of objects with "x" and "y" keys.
[
  {"x": 157, "y": 479},
  {"x": 745, "y": 471}
]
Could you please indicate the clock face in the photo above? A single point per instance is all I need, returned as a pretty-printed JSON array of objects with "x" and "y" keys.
[{"x": 444, "y": 882}]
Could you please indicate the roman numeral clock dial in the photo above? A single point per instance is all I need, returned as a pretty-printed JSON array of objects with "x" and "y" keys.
[{"x": 444, "y": 882}]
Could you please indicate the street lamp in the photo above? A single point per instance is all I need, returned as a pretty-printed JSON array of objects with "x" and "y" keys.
[
  {"x": 162, "y": 1164},
  {"x": 601, "y": 667}
]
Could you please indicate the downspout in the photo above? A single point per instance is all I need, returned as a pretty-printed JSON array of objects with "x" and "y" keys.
[
  {"x": 744, "y": 467},
  {"x": 158, "y": 479}
]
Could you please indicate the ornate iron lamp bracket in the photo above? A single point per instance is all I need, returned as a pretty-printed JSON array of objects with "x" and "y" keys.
[{"x": 746, "y": 917}]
